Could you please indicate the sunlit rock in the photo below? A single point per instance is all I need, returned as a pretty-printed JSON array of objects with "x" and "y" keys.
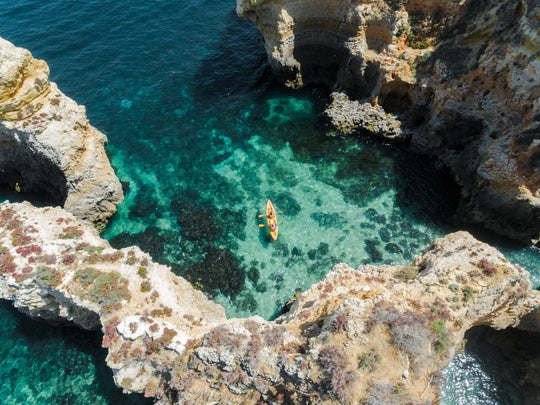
[
  {"x": 47, "y": 144},
  {"x": 375, "y": 333}
]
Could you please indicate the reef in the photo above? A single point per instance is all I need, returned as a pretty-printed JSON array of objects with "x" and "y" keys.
[
  {"x": 375, "y": 334},
  {"x": 458, "y": 81},
  {"x": 46, "y": 143}
]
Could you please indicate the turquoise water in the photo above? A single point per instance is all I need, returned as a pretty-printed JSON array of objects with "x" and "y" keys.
[
  {"x": 40, "y": 364},
  {"x": 201, "y": 137}
]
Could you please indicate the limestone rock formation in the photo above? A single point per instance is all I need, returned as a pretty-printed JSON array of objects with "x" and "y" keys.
[
  {"x": 376, "y": 334},
  {"x": 455, "y": 79},
  {"x": 54, "y": 267},
  {"x": 47, "y": 144}
]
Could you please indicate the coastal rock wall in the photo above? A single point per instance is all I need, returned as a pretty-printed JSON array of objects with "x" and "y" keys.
[
  {"x": 47, "y": 144},
  {"x": 482, "y": 86},
  {"x": 458, "y": 80},
  {"x": 375, "y": 334},
  {"x": 53, "y": 267}
]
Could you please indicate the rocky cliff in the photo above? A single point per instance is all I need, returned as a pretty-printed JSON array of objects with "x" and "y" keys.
[
  {"x": 47, "y": 144},
  {"x": 373, "y": 334},
  {"x": 455, "y": 79}
]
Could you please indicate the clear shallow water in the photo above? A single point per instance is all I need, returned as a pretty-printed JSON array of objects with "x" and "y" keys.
[
  {"x": 202, "y": 137},
  {"x": 62, "y": 365}
]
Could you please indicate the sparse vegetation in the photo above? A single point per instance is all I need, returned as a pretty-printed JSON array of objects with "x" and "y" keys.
[
  {"x": 48, "y": 276},
  {"x": 468, "y": 293},
  {"x": 340, "y": 321},
  {"x": 369, "y": 361},
  {"x": 383, "y": 392},
  {"x": 7, "y": 265},
  {"x": 411, "y": 331},
  {"x": 146, "y": 286},
  {"x": 131, "y": 258},
  {"x": 334, "y": 363},
  {"x": 406, "y": 273},
  {"x": 167, "y": 336},
  {"x": 442, "y": 340},
  {"x": 71, "y": 232},
  {"x": 142, "y": 272},
  {"x": 107, "y": 288},
  {"x": 86, "y": 276},
  {"x": 487, "y": 267}
]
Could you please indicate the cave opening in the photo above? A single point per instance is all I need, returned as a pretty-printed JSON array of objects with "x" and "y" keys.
[{"x": 40, "y": 182}]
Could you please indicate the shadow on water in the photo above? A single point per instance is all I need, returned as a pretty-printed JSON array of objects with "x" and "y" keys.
[
  {"x": 423, "y": 191},
  {"x": 36, "y": 199},
  {"x": 64, "y": 345},
  {"x": 510, "y": 357}
]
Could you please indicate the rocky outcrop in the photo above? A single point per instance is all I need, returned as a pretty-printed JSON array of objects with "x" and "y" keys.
[
  {"x": 372, "y": 334},
  {"x": 47, "y": 144},
  {"x": 458, "y": 80},
  {"x": 54, "y": 267}
]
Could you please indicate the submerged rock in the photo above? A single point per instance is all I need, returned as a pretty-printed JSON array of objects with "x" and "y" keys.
[
  {"x": 357, "y": 336},
  {"x": 47, "y": 144}
]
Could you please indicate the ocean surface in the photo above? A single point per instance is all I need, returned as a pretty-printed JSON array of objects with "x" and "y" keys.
[{"x": 200, "y": 137}]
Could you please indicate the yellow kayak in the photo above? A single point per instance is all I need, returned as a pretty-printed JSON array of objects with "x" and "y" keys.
[{"x": 271, "y": 220}]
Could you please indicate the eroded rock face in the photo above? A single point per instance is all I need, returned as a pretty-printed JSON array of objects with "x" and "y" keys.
[
  {"x": 458, "y": 80},
  {"x": 47, "y": 144},
  {"x": 376, "y": 334}
]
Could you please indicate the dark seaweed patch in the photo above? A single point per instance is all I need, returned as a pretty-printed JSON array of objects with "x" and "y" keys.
[
  {"x": 285, "y": 202},
  {"x": 374, "y": 216},
  {"x": 393, "y": 248},
  {"x": 328, "y": 220},
  {"x": 220, "y": 271},
  {"x": 196, "y": 222},
  {"x": 385, "y": 234},
  {"x": 371, "y": 248},
  {"x": 323, "y": 248},
  {"x": 150, "y": 241},
  {"x": 253, "y": 275}
]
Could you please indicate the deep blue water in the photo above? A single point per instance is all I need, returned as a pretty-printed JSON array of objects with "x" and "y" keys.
[{"x": 201, "y": 137}]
